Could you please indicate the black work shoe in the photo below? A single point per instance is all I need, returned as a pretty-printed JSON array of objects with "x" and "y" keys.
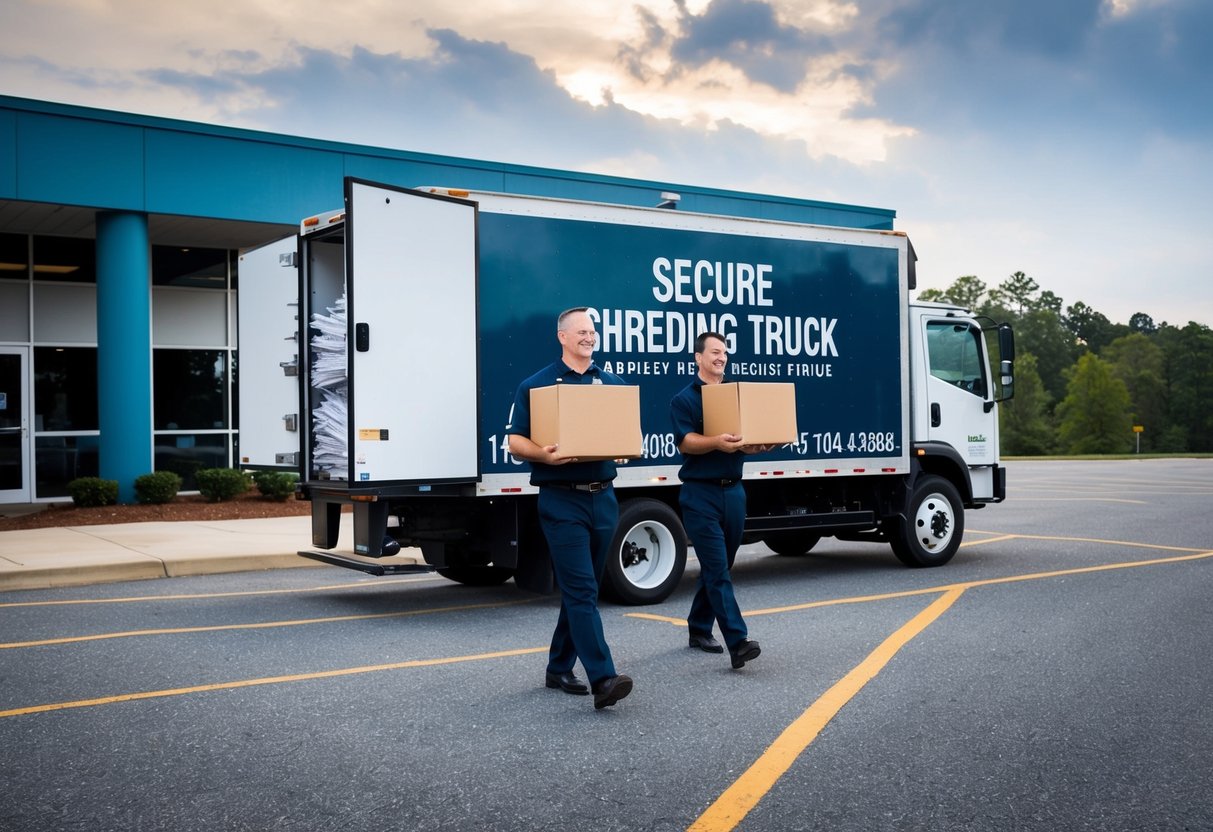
[
  {"x": 705, "y": 643},
  {"x": 610, "y": 690},
  {"x": 744, "y": 651},
  {"x": 567, "y": 682}
]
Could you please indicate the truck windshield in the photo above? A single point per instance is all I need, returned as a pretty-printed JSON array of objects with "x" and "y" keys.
[{"x": 955, "y": 355}]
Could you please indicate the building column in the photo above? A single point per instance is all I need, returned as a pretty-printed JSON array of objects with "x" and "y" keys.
[{"x": 124, "y": 349}]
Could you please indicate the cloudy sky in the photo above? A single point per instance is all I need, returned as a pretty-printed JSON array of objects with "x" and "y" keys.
[{"x": 1068, "y": 139}]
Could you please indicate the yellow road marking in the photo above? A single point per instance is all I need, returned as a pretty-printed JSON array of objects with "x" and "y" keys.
[
  {"x": 935, "y": 590},
  {"x": 268, "y": 680},
  {"x": 745, "y": 793},
  {"x": 202, "y": 595},
  {"x": 262, "y": 625}
]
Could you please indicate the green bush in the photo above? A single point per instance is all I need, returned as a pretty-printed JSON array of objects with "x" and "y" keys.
[
  {"x": 157, "y": 487},
  {"x": 219, "y": 484},
  {"x": 93, "y": 491},
  {"x": 276, "y": 485}
]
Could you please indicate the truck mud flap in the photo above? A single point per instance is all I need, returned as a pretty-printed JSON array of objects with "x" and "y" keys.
[{"x": 368, "y": 565}]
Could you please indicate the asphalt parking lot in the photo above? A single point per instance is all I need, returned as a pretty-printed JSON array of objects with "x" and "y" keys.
[{"x": 1055, "y": 675}]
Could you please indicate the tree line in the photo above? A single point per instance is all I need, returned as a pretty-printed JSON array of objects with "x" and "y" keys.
[{"x": 1082, "y": 382}]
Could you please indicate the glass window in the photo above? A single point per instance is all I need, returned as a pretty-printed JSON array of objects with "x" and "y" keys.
[
  {"x": 204, "y": 268},
  {"x": 65, "y": 258},
  {"x": 14, "y": 257},
  {"x": 189, "y": 389},
  {"x": 185, "y": 454},
  {"x": 60, "y": 459},
  {"x": 955, "y": 355},
  {"x": 65, "y": 388}
]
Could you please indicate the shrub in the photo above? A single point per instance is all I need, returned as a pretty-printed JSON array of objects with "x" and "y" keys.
[
  {"x": 157, "y": 487},
  {"x": 276, "y": 485},
  {"x": 88, "y": 492},
  {"x": 218, "y": 484}
]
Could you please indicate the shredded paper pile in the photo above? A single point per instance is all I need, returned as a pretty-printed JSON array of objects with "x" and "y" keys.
[{"x": 329, "y": 419}]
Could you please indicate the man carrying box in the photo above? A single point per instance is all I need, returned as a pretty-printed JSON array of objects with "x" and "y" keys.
[
  {"x": 712, "y": 499},
  {"x": 578, "y": 512}
]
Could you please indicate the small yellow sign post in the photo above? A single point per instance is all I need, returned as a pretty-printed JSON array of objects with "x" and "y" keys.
[{"x": 1137, "y": 431}]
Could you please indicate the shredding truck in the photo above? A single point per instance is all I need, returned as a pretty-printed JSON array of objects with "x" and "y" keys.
[{"x": 409, "y": 317}]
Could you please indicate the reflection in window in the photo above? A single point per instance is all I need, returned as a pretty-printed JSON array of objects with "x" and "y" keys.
[
  {"x": 204, "y": 268},
  {"x": 955, "y": 356},
  {"x": 14, "y": 257},
  {"x": 65, "y": 388},
  {"x": 60, "y": 459},
  {"x": 186, "y": 454},
  {"x": 65, "y": 258},
  {"x": 189, "y": 389}
]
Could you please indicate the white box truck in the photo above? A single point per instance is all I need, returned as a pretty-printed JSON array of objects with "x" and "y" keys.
[{"x": 411, "y": 315}]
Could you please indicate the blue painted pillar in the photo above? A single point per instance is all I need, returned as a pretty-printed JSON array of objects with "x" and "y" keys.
[{"x": 124, "y": 348}]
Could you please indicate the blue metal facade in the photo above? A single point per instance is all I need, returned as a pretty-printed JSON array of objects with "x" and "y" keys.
[{"x": 55, "y": 153}]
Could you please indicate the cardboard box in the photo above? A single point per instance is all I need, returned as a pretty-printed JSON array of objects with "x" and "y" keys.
[
  {"x": 762, "y": 413},
  {"x": 588, "y": 421}
]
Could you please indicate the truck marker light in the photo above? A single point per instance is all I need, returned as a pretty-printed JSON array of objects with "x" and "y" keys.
[
  {"x": 858, "y": 470},
  {"x": 336, "y": 218},
  {"x": 511, "y": 491},
  {"x": 311, "y": 222},
  {"x": 888, "y": 470},
  {"x": 831, "y": 470},
  {"x": 364, "y": 498}
]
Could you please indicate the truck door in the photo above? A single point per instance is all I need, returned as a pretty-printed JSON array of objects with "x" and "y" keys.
[
  {"x": 958, "y": 390},
  {"x": 411, "y": 284},
  {"x": 267, "y": 357}
]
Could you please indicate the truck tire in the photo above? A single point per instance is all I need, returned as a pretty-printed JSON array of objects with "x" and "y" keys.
[
  {"x": 791, "y": 542},
  {"x": 930, "y": 533},
  {"x": 476, "y": 575},
  {"x": 648, "y": 553}
]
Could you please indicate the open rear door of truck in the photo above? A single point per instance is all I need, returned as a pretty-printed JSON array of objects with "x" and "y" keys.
[
  {"x": 411, "y": 274},
  {"x": 268, "y": 355}
]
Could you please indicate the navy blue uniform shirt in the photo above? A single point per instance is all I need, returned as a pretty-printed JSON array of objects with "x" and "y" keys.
[
  {"x": 686, "y": 412},
  {"x": 520, "y": 422}
]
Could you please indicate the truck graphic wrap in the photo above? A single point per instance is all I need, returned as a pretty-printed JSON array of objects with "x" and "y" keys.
[{"x": 825, "y": 316}]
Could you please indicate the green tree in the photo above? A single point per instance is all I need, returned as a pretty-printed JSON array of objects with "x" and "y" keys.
[
  {"x": 1188, "y": 357},
  {"x": 967, "y": 291},
  {"x": 1088, "y": 327},
  {"x": 1042, "y": 333},
  {"x": 1138, "y": 362},
  {"x": 1017, "y": 294},
  {"x": 1023, "y": 421},
  {"x": 1094, "y": 416}
]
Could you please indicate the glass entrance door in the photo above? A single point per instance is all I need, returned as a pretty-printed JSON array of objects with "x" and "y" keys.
[{"x": 14, "y": 425}]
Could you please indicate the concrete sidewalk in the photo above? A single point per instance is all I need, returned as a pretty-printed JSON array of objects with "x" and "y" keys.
[{"x": 79, "y": 555}]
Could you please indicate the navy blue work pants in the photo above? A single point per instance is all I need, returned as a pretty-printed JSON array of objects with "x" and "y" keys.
[
  {"x": 579, "y": 526},
  {"x": 714, "y": 518}
]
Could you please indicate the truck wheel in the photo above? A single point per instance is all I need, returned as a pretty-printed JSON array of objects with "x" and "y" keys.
[
  {"x": 791, "y": 542},
  {"x": 930, "y": 533},
  {"x": 476, "y": 575},
  {"x": 648, "y": 553}
]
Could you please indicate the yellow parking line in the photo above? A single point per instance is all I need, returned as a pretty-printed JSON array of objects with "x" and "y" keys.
[
  {"x": 269, "y": 680},
  {"x": 745, "y": 793},
  {"x": 205, "y": 595},
  {"x": 261, "y": 625}
]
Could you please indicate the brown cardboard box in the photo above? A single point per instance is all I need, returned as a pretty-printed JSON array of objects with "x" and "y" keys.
[
  {"x": 588, "y": 421},
  {"x": 762, "y": 413}
]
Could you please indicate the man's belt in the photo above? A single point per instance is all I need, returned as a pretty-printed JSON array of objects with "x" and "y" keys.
[
  {"x": 721, "y": 483},
  {"x": 592, "y": 487}
]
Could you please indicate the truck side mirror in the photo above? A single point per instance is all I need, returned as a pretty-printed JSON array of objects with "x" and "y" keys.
[{"x": 1006, "y": 360}]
